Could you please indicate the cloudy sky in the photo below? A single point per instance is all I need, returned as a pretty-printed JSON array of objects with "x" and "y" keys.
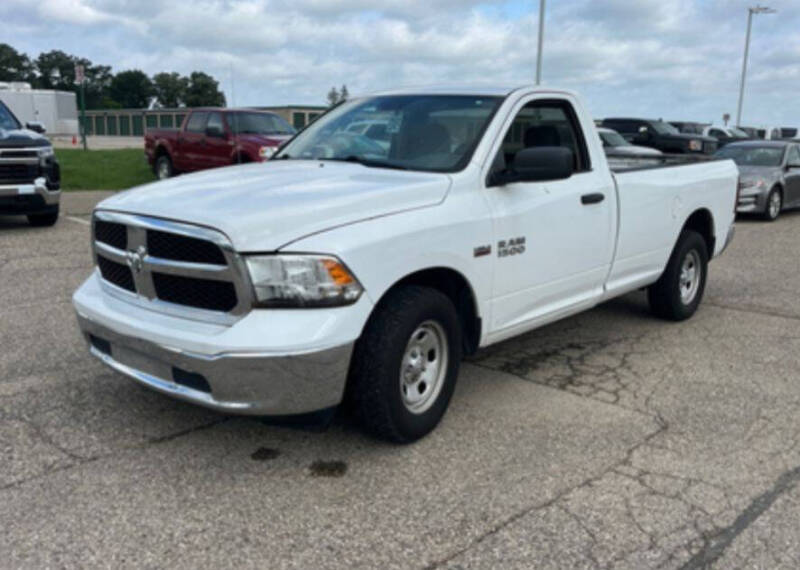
[{"x": 677, "y": 59}]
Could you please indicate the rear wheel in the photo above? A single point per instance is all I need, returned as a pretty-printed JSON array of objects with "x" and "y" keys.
[
  {"x": 677, "y": 294},
  {"x": 43, "y": 220},
  {"x": 405, "y": 364},
  {"x": 164, "y": 167},
  {"x": 774, "y": 205}
]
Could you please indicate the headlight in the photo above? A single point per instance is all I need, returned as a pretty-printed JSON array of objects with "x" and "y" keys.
[
  {"x": 695, "y": 145},
  {"x": 302, "y": 281},
  {"x": 757, "y": 184},
  {"x": 45, "y": 153},
  {"x": 266, "y": 151}
]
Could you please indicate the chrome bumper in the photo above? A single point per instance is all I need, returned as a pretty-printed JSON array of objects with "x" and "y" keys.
[
  {"x": 37, "y": 187},
  {"x": 237, "y": 383}
]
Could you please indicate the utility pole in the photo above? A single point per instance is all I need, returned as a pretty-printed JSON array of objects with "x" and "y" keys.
[
  {"x": 80, "y": 79},
  {"x": 750, "y": 12},
  {"x": 541, "y": 41}
]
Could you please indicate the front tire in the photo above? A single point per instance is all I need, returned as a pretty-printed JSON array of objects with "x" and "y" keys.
[
  {"x": 43, "y": 220},
  {"x": 774, "y": 205},
  {"x": 164, "y": 168},
  {"x": 405, "y": 364},
  {"x": 679, "y": 290}
]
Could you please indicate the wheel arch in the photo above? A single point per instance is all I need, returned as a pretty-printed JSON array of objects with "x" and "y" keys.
[
  {"x": 458, "y": 289},
  {"x": 702, "y": 221}
]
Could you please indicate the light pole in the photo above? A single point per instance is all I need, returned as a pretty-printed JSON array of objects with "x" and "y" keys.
[
  {"x": 541, "y": 41},
  {"x": 750, "y": 12}
]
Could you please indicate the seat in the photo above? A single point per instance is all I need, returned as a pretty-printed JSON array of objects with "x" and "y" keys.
[{"x": 423, "y": 139}]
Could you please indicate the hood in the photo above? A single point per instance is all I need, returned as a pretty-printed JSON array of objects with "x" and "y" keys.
[
  {"x": 263, "y": 140},
  {"x": 768, "y": 173},
  {"x": 688, "y": 137},
  {"x": 264, "y": 206},
  {"x": 18, "y": 138}
]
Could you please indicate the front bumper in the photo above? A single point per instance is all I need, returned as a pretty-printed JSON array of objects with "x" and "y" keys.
[
  {"x": 220, "y": 367},
  {"x": 28, "y": 198},
  {"x": 755, "y": 203}
]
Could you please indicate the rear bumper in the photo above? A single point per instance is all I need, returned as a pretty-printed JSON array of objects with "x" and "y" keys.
[{"x": 28, "y": 198}]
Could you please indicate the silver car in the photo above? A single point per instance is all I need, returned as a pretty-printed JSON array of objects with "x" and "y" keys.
[
  {"x": 621, "y": 153},
  {"x": 769, "y": 176}
]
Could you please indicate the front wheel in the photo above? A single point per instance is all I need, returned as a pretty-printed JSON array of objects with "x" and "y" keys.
[
  {"x": 164, "y": 168},
  {"x": 679, "y": 290},
  {"x": 774, "y": 205},
  {"x": 405, "y": 364}
]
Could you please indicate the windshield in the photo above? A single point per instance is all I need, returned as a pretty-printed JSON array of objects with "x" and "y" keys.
[
  {"x": 753, "y": 155},
  {"x": 7, "y": 120},
  {"x": 663, "y": 128},
  {"x": 258, "y": 124},
  {"x": 739, "y": 133},
  {"x": 435, "y": 133},
  {"x": 613, "y": 139}
]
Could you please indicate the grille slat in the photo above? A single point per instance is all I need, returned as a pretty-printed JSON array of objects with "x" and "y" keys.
[
  {"x": 110, "y": 233},
  {"x": 18, "y": 172},
  {"x": 183, "y": 248},
  {"x": 116, "y": 273},
  {"x": 198, "y": 293}
]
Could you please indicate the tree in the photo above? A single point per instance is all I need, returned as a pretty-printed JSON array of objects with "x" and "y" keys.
[
  {"x": 203, "y": 90},
  {"x": 333, "y": 97},
  {"x": 57, "y": 71},
  {"x": 132, "y": 89},
  {"x": 343, "y": 94},
  {"x": 15, "y": 66},
  {"x": 170, "y": 88}
]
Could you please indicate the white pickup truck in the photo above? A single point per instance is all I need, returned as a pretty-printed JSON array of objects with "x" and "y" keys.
[{"x": 361, "y": 270}]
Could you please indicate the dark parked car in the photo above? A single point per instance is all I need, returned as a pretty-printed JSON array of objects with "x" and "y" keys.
[
  {"x": 30, "y": 178},
  {"x": 769, "y": 176},
  {"x": 661, "y": 135}
]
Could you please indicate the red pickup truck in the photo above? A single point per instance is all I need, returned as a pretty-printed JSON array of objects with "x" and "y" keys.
[{"x": 214, "y": 137}]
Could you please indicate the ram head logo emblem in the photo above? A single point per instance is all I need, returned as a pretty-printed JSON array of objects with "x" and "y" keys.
[{"x": 136, "y": 258}]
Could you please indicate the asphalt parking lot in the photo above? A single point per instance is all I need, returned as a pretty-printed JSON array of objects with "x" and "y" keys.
[{"x": 608, "y": 440}]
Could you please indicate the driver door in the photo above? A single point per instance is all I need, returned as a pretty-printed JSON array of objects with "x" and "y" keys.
[{"x": 554, "y": 239}]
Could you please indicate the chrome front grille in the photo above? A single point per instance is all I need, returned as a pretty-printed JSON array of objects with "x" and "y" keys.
[{"x": 171, "y": 267}]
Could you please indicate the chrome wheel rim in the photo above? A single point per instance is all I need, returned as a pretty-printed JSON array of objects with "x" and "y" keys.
[
  {"x": 689, "y": 281},
  {"x": 423, "y": 367},
  {"x": 163, "y": 170},
  {"x": 774, "y": 204}
]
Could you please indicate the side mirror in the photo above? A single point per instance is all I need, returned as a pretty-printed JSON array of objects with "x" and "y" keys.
[
  {"x": 35, "y": 126},
  {"x": 215, "y": 131},
  {"x": 537, "y": 164}
]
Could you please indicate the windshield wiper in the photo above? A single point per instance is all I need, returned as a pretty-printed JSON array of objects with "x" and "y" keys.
[{"x": 368, "y": 162}]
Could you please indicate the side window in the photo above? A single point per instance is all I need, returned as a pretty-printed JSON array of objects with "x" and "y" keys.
[
  {"x": 621, "y": 127},
  {"x": 546, "y": 123},
  {"x": 197, "y": 123},
  {"x": 215, "y": 120},
  {"x": 717, "y": 133},
  {"x": 794, "y": 155}
]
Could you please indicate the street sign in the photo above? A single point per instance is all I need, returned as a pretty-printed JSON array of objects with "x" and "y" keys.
[{"x": 80, "y": 76}]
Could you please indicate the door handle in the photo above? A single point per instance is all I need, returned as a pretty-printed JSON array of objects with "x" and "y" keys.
[{"x": 594, "y": 198}]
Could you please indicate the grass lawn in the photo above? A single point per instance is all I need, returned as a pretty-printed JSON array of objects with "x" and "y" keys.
[{"x": 117, "y": 169}]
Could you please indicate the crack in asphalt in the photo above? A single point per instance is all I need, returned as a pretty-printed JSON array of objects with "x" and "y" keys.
[
  {"x": 717, "y": 544},
  {"x": 753, "y": 310}
]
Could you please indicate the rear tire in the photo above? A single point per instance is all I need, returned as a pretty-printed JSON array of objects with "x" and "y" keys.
[
  {"x": 163, "y": 167},
  {"x": 405, "y": 364},
  {"x": 679, "y": 290},
  {"x": 774, "y": 205},
  {"x": 43, "y": 220}
]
